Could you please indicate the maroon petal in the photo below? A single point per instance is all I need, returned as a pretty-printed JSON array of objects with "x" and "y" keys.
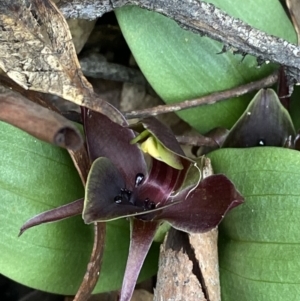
[
  {"x": 59, "y": 213},
  {"x": 106, "y": 138},
  {"x": 107, "y": 196},
  {"x": 142, "y": 234},
  {"x": 103, "y": 186},
  {"x": 203, "y": 208},
  {"x": 163, "y": 180}
]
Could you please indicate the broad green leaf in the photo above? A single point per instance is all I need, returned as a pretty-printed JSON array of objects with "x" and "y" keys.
[
  {"x": 182, "y": 65},
  {"x": 259, "y": 241},
  {"x": 34, "y": 177}
]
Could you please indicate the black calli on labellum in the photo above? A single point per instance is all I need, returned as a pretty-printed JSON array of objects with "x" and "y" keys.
[{"x": 167, "y": 188}]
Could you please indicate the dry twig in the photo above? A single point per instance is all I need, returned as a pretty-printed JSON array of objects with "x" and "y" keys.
[
  {"x": 205, "y": 19},
  {"x": 38, "y": 121},
  {"x": 205, "y": 100}
]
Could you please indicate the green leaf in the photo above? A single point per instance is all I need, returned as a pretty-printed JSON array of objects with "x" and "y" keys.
[
  {"x": 34, "y": 177},
  {"x": 182, "y": 65},
  {"x": 259, "y": 241}
]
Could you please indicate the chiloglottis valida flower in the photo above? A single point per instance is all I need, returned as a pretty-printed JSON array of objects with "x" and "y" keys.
[
  {"x": 265, "y": 122},
  {"x": 147, "y": 179}
]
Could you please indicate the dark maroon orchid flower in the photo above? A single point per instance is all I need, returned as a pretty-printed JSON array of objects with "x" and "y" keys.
[
  {"x": 163, "y": 186},
  {"x": 265, "y": 122}
]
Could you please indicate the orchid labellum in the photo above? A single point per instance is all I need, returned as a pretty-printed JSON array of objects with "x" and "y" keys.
[{"x": 147, "y": 179}]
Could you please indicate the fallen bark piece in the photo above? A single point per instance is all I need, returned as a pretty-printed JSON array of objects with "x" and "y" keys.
[
  {"x": 188, "y": 264},
  {"x": 176, "y": 280},
  {"x": 205, "y": 246}
]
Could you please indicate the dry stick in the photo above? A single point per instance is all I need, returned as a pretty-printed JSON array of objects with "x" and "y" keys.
[
  {"x": 95, "y": 65},
  {"x": 38, "y": 121},
  {"x": 205, "y": 100},
  {"x": 197, "y": 140},
  {"x": 205, "y": 19},
  {"x": 93, "y": 269},
  {"x": 80, "y": 157}
]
